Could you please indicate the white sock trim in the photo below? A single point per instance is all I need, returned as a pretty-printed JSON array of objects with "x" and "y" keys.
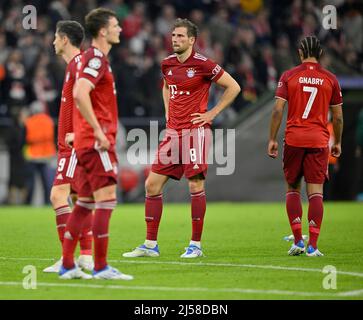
[
  {"x": 195, "y": 243},
  {"x": 150, "y": 243}
]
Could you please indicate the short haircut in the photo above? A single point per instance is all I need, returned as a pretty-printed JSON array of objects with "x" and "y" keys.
[
  {"x": 192, "y": 29},
  {"x": 72, "y": 30},
  {"x": 310, "y": 47},
  {"x": 97, "y": 19}
]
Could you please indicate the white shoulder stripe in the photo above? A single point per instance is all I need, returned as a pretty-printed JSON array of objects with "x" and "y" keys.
[
  {"x": 171, "y": 56},
  {"x": 200, "y": 57}
]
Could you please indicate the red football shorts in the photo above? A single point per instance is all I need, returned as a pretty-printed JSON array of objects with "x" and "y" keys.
[
  {"x": 100, "y": 167},
  {"x": 312, "y": 163},
  {"x": 70, "y": 172},
  {"x": 183, "y": 154}
]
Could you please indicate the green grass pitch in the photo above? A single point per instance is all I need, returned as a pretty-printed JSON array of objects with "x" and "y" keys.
[{"x": 246, "y": 257}]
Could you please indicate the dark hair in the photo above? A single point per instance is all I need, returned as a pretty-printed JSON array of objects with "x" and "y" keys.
[
  {"x": 310, "y": 47},
  {"x": 72, "y": 30},
  {"x": 192, "y": 29},
  {"x": 97, "y": 19}
]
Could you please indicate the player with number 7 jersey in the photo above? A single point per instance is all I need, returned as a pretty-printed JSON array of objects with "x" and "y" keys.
[{"x": 310, "y": 92}]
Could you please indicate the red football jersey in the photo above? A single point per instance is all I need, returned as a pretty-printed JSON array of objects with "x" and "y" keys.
[
  {"x": 189, "y": 84},
  {"x": 95, "y": 68},
  {"x": 65, "y": 120},
  {"x": 309, "y": 90}
]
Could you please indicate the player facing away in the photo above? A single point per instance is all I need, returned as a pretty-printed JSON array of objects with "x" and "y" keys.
[
  {"x": 309, "y": 91},
  {"x": 95, "y": 127},
  {"x": 68, "y": 39},
  {"x": 187, "y": 78}
]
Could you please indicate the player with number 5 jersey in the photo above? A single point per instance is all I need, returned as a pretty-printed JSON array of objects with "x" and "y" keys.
[{"x": 310, "y": 91}]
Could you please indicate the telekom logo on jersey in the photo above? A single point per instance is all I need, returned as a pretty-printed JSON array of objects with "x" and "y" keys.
[
  {"x": 191, "y": 146},
  {"x": 174, "y": 91}
]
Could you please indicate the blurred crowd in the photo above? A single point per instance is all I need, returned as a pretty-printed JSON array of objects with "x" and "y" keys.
[{"x": 254, "y": 40}]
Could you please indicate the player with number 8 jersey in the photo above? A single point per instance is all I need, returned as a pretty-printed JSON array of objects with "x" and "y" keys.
[
  {"x": 310, "y": 91},
  {"x": 188, "y": 76}
]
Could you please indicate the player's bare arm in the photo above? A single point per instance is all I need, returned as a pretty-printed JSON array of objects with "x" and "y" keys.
[
  {"x": 231, "y": 91},
  {"x": 276, "y": 118},
  {"x": 166, "y": 99},
  {"x": 337, "y": 120},
  {"x": 81, "y": 94}
]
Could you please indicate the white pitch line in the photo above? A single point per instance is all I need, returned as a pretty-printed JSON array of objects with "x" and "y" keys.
[
  {"x": 207, "y": 264},
  {"x": 351, "y": 293},
  {"x": 173, "y": 289},
  {"x": 253, "y": 266}
]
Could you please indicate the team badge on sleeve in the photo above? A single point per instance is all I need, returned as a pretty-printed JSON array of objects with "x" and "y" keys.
[{"x": 94, "y": 63}]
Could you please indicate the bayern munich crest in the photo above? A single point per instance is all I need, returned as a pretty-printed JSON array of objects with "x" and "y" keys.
[{"x": 190, "y": 72}]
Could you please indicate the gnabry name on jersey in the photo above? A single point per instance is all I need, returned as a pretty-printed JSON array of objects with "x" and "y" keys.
[{"x": 308, "y": 80}]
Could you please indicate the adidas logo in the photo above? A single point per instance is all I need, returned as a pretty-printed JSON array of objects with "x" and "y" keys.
[
  {"x": 297, "y": 220},
  {"x": 59, "y": 177},
  {"x": 312, "y": 223},
  {"x": 170, "y": 73},
  {"x": 196, "y": 166},
  {"x": 67, "y": 235}
]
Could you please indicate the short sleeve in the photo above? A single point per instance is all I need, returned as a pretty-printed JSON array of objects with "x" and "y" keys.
[
  {"x": 163, "y": 69},
  {"x": 336, "y": 97},
  {"x": 281, "y": 90},
  {"x": 92, "y": 68},
  {"x": 211, "y": 70}
]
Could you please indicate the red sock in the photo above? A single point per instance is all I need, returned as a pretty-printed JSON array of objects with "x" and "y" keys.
[
  {"x": 101, "y": 222},
  {"x": 294, "y": 212},
  {"x": 85, "y": 240},
  {"x": 153, "y": 211},
  {"x": 315, "y": 217},
  {"x": 73, "y": 229},
  {"x": 61, "y": 216},
  {"x": 199, "y": 204}
]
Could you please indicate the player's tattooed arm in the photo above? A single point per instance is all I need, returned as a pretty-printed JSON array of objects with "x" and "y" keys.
[
  {"x": 276, "y": 118},
  {"x": 231, "y": 91},
  {"x": 81, "y": 94},
  {"x": 166, "y": 100}
]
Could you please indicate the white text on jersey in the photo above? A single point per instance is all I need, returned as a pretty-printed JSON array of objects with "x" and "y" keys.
[
  {"x": 174, "y": 91},
  {"x": 308, "y": 80}
]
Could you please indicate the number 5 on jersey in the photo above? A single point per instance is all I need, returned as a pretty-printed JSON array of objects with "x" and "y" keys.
[{"x": 313, "y": 91}]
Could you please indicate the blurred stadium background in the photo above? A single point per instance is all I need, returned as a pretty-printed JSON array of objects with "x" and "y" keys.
[{"x": 254, "y": 40}]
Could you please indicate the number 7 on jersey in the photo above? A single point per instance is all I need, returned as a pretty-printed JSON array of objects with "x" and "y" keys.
[{"x": 313, "y": 91}]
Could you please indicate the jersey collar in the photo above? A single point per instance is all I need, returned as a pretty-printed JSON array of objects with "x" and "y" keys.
[{"x": 190, "y": 57}]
